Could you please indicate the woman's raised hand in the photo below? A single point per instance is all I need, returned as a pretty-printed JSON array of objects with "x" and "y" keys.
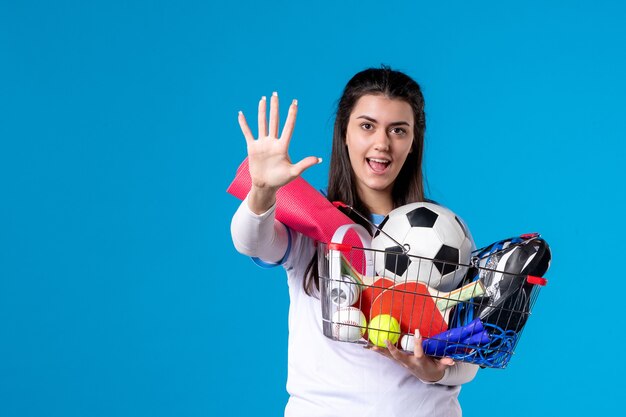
[{"x": 268, "y": 157}]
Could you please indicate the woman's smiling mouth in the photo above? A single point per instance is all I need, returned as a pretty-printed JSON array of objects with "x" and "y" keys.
[{"x": 378, "y": 165}]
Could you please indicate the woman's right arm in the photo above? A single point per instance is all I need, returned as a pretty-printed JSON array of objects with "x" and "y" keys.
[
  {"x": 254, "y": 230},
  {"x": 259, "y": 235}
]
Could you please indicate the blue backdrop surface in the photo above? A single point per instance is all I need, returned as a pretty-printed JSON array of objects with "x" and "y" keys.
[{"x": 120, "y": 291}]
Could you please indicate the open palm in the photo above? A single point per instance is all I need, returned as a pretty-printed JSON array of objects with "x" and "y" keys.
[{"x": 268, "y": 155}]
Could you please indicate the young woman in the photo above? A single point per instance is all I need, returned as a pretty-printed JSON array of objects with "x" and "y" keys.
[{"x": 376, "y": 166}]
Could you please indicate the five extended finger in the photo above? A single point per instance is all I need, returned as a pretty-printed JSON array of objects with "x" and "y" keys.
[
  {"x": 290, "y": 122},
  {"x": 274, "y": 117},
  {"x": 263, "y": 117},
  {"x": 245, "y": 129}
]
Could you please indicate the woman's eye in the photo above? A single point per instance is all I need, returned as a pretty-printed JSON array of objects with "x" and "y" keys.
[
  {"x": 367, "y": 126},
  {"x": 398, "y": 131}
]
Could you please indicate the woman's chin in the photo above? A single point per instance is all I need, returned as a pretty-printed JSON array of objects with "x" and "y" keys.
[{"x": 378, "y": 185}]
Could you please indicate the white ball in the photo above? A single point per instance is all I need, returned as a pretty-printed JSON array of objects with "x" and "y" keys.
[
  {"x": 344, "y": 292},
  {"x": 429, "y": 231},
  {"x": 349, "y": 324},
  {"x": 408, "y": 342}
]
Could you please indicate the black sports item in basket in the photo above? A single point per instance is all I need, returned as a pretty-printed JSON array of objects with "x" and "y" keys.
[{"x": 504, "y": 266}]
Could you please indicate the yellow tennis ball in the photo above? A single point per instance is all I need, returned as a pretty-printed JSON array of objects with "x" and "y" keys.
[{"x": 383, "y": 327}]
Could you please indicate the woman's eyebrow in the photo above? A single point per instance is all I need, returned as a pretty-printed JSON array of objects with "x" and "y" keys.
[{"x": 398, "y": 123}]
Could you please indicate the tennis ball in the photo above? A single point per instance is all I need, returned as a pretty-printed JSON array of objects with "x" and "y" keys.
[{"x": 383, "y": 327}]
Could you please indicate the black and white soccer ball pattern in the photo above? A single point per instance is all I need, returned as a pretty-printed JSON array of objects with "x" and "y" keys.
[{"x": 429, "y": 231}]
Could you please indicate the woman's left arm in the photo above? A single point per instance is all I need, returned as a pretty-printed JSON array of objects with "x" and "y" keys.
[
  {"x": 430, "y": 370},
  {"x": 458, "y": 374}
]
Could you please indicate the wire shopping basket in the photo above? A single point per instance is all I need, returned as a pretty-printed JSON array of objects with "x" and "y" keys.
[{"x": 481, "y": 321}]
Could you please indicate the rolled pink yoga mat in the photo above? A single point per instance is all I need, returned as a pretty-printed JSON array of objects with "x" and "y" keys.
[{"x": 299, "y": 206}]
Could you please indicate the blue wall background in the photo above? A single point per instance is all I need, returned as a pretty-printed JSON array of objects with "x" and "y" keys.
[{"x": 120, "y": 291}]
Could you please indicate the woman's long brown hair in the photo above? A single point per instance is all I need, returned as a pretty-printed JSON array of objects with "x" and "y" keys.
[{"x": 409, "y": 185}]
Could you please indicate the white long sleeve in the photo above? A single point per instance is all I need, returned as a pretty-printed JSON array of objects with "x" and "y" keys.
[
  {"x": 259, "y": 235},
  {"x": 458, "y": 374}
]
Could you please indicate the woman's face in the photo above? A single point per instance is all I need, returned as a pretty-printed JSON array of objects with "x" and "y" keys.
[{"x": 379, "y": 138}]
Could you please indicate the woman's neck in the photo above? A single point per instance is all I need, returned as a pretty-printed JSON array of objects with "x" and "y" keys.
[{"x": 378, "y": 202}]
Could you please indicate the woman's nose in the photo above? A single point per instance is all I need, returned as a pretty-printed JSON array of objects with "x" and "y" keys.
[{"x": 381, "y": 141}]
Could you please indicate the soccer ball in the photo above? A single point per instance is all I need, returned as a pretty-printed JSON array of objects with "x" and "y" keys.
[{"x": 427, "y": 230}]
